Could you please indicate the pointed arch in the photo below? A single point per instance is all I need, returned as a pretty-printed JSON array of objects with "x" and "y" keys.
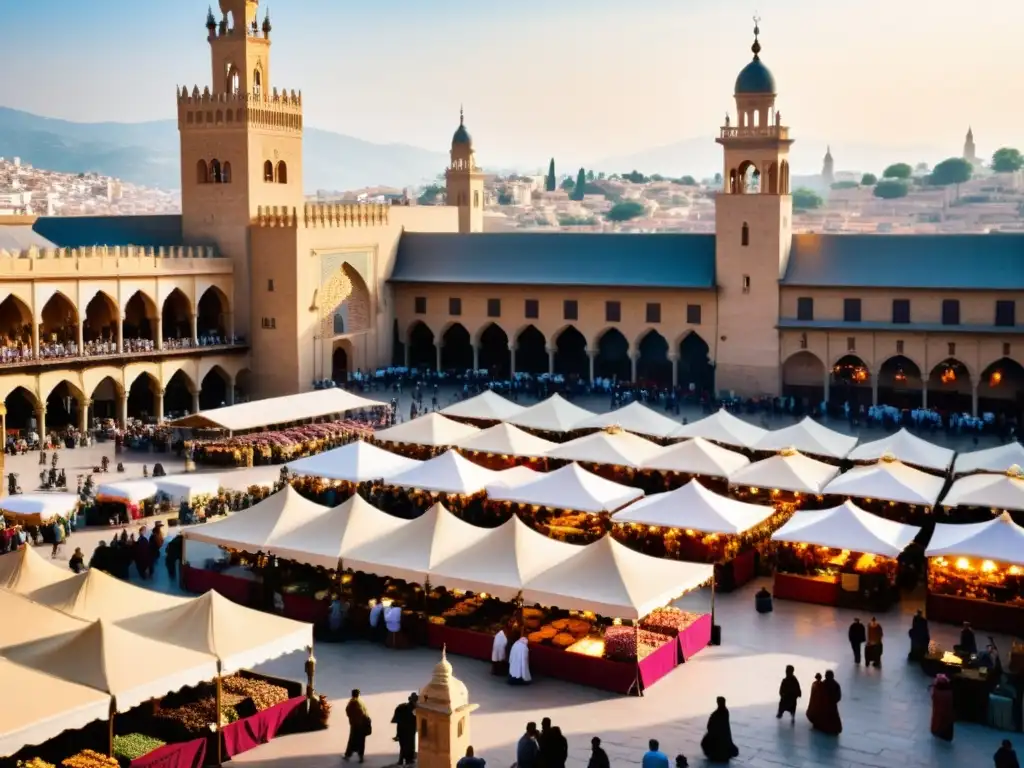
[
  {"x": 345, "y": 303},
  {"x": 58, "y": 321},
  {"x": 1001, "y": 388},
  {"x": 202, "y": 172},
  {"x": 212, "y": 312},
  {"x": 571, "y": 359},
  {"x": 105, "y": 391},
  {"x": 282, "y": 172},
  {"x": 950, "y": 386},
  {"x": 653, "y": 364},
  {"x": 16, "y": 318},
  {"x": 21, "y": 403},
  {"x": 176, "y": 316},
  {"x": 64, "y": 402},
  {"x": 803, "y": 379},
  {"x": 422, "y": 346},
  {"x": 141, "y": 390},
  {"x": 140, "y": 314},
  {"x": 215, "y": 172},
  {"x": 696, "y": 372},
  {"x": 257, "y": 82},
  {"x": 900, "y": 383},
  {"x": 494, "y": 353},
  {"x": 225, "y": 173},
  {"x": 456, "y": 348},
  {"x": 531, "y": 350},
  {"x": 613, "y": 360},
  {"x": 268, "y": 172}
]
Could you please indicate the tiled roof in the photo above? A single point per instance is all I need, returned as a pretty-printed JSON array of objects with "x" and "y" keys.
[
  {"x": 556, "y": 258},
  {"x": 85, "y": 231},
  {"x": 971, "y": 262}
]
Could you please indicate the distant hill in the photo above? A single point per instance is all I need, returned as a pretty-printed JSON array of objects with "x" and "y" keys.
[{"x": 147, "y": 153}]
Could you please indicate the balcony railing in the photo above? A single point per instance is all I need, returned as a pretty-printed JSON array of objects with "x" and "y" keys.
[
  {"x": 57, "y": 360},
  {"x": 758, "y": 132}
]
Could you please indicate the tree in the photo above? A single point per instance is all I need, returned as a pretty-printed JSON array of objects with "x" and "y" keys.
[
  {"x": 1007, "y": 160},
  {"x": 890, "y": 189},
  {"x": 567, "y": 184},
  {"x": 581, "y": 185},
  {"x": 600, "y": 176},
  {"x": 657, "y": 177},
  {"x": 624, "y": 211},
  {"x": 868, "y": 180},
  {"x": 897, "y": 171},
  {"x": 954, "y": 171},
  {"x": 635, "y": 177},
  {"x": 505, "y": 197},
  {"x": 430, "y": 194},
  {"x": 551, "y": 183},
  {"x": 846, "y": 184},
  {"x": 687, "y": 181},
  {"x": 718, "y": 178},
  {"x": 590, "y": 175},
  {"x": 806, "y": 199}
]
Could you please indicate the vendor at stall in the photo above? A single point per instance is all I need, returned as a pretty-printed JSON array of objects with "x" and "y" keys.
[
  {"x": 378, "y": 631},
  {"x": 499, "y": 654},
  {"x": 519, "y": 663}
]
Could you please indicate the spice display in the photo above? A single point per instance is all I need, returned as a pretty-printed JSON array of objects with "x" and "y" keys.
[
  {"x": 198, "y": 716},
  {"x": 668, "y": 621},
  {"x": 89, "y": 759},
  {"x": 135, "y": 745},
  {"x": 35, "y": 762},
  {"x": 263, "y": 694},
  {"x": 977, "y": 579},
  {"x": 620, "y": 643}
]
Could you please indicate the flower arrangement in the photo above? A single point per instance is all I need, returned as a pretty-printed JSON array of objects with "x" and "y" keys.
[{"x": 90, "y": 759}]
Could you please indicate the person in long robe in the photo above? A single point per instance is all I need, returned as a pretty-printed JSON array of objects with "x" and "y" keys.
[
  {"x": 831, "y": 723},
  {"x": 942, "y": 708},
  {"x": 789, "y": 692},
  {"x": 359, "y": 727},
  {"x": 873, "y": 650},
  {"x": 968, "y": 643},
  {"x": 405, "y": 724},
  {"x": 499, "y": 654},
  {"x": 1006, "y": 756},
  {"x": 717, "y": 742},
  {"x": 519, "y": 663},
  {"x": 816, "y": 702},
  {"x": 920, "y": 637}
]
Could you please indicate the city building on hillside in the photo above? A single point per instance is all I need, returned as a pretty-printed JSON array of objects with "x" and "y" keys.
[{"x": 828, "y": 171}]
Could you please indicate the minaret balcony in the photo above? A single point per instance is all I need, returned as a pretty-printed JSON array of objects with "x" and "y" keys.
[{"x": 780, "y": 132}]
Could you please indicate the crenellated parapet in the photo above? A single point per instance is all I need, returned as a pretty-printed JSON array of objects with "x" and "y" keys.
[
  {"x": 114, "y": 252},
  {"x": 104, "y": 261},
  {"x": 281, "y": 110},
  {"x": 324, "y": 215}
]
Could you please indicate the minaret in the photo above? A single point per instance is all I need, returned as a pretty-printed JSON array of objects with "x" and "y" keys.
[
  {"x": 442, "y": 718},
  {"x": 465, "y": 182},
  {"x": 828, "y": 169},
  {"x": 970, "y": 153}
]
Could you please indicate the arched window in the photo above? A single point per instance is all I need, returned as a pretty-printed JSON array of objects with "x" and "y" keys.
[
  {"x": 220, "y": 116},
  {"x": 268, "y": 172},
  {"x": 225, "y": 173},
  {"x": 745, "y": 235},
  {"x": 257, "y": 83},
  {"x": 215, "y": 172},
  {"x": 233, "y": 83},
  {"x": 230, "y": 115},
  {"x": 202, "y": 172},
  {"x": 282, "y": 173},
  {"x": 476, "y": 198},
  {"x": 339, "y": 324}
]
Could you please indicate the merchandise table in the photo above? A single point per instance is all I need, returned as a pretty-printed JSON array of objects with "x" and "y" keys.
[
  {"x": 199, "y": 581},
  {"x": 305, "y": 608},
  {"x": 461, "y": 642},
  {"x": 615, "y": 676},
  {"x": 806, "y": 589},
  {"x": 733, "y": 574},
  {"x": 695, "y": 637},
  {"x": 249, "y": 732},
  {"x": 189, "y": 754},
  {"x": 991, "y": 617}
]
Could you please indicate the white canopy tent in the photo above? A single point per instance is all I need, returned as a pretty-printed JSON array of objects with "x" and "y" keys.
[
  {"x": 130, "y": 491},
  {"x": 610, "y": 579},
  {"x": 506, "y": 440},
  {"x": 355, "y": 462},
  {"x": 502, "y": 562},
  {"x": 96, "y": 595},
  {"x": 696, "y": 508},
  {"x": 696, "y": 457},
  {"x": 39, "y": 508},
  {"x": 722, "y": 427},
  {"x": 570, "y": 487},
  {"x": 908, "y": 448},
  {"x": 188, "y": 487},
  {"x": 848, "y": 527},
  {"x": 808, "y": 436},
  {"x": 1000, "y": 540},
  {"x": 487, "y": 406},
  {"x": 253, "y": 529},
  {"x": 998, "y": 459},
  {"x": 787, "y": 471},
  {"x": 25, "y": 570},
  {"x": 636, "y": 418},
  {"x": 431, "y": 429},
  {"x": 277, "y": 410},
  {"x": 1005, "y": 491},
  {"x": 26, "y": 620},
  {"x": 412, "y": 551},
  {"x": 556, "y": 414},
  {"x": 889, "y": 480},
  {"x": 326, "y": 538},
  {"x": 516, "y": 476},
  {"x": 448, "y": 473},
  {"x": 611, "y": 446}
]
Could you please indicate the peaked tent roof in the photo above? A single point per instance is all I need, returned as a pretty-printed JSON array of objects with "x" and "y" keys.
[
  {"x": 636, "y": 418},
  {"x": 97, "y": 595},
  {"x": 610, "y": 579},
  {"x": 188, "y": 486},
  {"x": 696, "y": 457},
  {"x": 808, "y": 436},
  {"x": 503, "y": 561},
  {"x": 26, "y": 620},
  {"x": 487, "y": 406},
  {"x": 25, "y": 570},
  {"x": 848, "y": 527},
  {"x": 129, "y": 490},
  {"x": 908, "y": 448},
  {"x": 448, "y": 473},
  {"x": 788, "y": 471},
  {"x": 328, "y": 537},
  {"x": 412, "y": 551},
  {"x": 610, "y": 446},
  {"x": 889, "y": 481},
  {"x": 277, "y": 410},
  {"x": 1005, "y": 491},
  {"x": 237, "y": 636},
  {"x": 570, "y": 487},
  {"x": 39, "y": 508},
  {"x": 515, "y": 476},
  {"x": 998, "y": 459},
  {"x": 1000, "y": 539},
  {"x": 430, "y": 429},
  {"x": 131, "y": 668},
  {"x": 722, "y": 427},
  {"x": 695, "y": 507},
  {"x": 253, "y": 529},
  {"x": 506, "y": 440},
  {"x": 355, "y": 462},
  {"x": 556, "y": 414}
]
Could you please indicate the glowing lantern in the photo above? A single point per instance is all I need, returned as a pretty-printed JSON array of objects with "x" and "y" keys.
[{"x": 963, "y": 564}]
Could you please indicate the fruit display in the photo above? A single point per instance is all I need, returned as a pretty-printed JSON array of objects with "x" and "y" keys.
[
  {"x": 35, "y": 762},
  {"x": 198, "y": 716},
  {"x": 263, "y": 694},
  {"x": 668, "y": 621},
  {"x": 89, "y": 759},
  {"x": 620, "y": 643},
  {"x": 561, "y": 633},
  {"x": 134, "y": 746}
]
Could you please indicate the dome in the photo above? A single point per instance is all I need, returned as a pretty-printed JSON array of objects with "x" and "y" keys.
[
  {"x": 461, "y": 134},
  {"x": 444, "y": 692},
  {"x": 755, "y": 78}
]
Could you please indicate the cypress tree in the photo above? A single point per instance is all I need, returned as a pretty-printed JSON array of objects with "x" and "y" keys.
[
  {"x": 551, "y": 184},
  {"x": 581, "y": 185}
]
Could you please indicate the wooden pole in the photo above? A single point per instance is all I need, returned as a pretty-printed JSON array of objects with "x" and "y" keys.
[
  {"x": 110, "y": 727},
  {"x": 712, "y": 600},
  {"x": 220, "y": 738}
]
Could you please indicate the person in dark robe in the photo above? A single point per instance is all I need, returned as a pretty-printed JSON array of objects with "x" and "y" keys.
[
  {"x": 545, "y": 742},
  {"x": 920, "y": 637},
  {"x": 968, "y": 643},
  {"x": 142, "y": 554},
  {"x": 359, "y": 727},
  {"x": 405, "y": 725},
  {"x": 172, "y": 555},
  {"x": 717, "y": 742},
  {"x": 598, "y": 757},
  {"x": 816, "y": 702},
  {"x": 789, "y": 692},
  {"x": 77, "y": 561},
  {"x": 559, "y": 749},
  {"x": 858, "y": 635},
  {"x": 831, "y": 723},
  {"x": 942, "y": 708},
  {"x": 1006, "y": 756}
]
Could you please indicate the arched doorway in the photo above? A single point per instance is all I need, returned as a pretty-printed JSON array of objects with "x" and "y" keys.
[
  {"x": 571, "y": 354},
  {"x": 105, "y": 397},
  {"x": 63, "y": 406},
  {"x": 456, "y": 349},
  {"x": 397, "y": 346},
  {"x": 211, "y": 316},
  {"x": 494, "y": 356},
  {"x": 422, "y": 352},
  {"x": 803, "y": 379},
  {"x": 178, "y": 395},
  {"x": 653, "y": 364},
  {"x": 950, "y": 387},
  {"x": 612, "y": 360},
  {"x": 21, "y": 408},
  {"x": 339, "y": 365},
  {"x": 851, "y": 382},
  {"x": 696, "y": 373},
  {"x": 16, "y": 325},
  {"x": 176, "y": 320},
  {"x": 213, "y": 390},
  {"x": 141, "y": 397},
  {"x": 139, "y": 323},
  {"x": 59, "y": 327},
  {"x": 243, "y": 386},
  {"x": 899, "y": 383},
  {"x": 99, "y": 330},
  {"x": 531, "y": 351},
  {"x": 1001, "y": 391}
]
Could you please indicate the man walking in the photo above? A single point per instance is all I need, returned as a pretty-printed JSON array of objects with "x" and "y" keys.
[{"x": 858, "y": 635}]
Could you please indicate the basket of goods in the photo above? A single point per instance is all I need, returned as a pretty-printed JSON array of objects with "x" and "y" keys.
[
  {"x": 620, "y": 643},
  {"x": 533, "y": 618},
  {"x": 578, "y": 628},
  {"x": 135, "y": 745},
  {"x": 668, "y": 621},
  {"x": 562, "y": 640},
  {"x": 263, "y": 694},
  {"x": 561, "y": 624},
  {"x": 35, "y": 762},
  {"x": 89, "y": 759}
]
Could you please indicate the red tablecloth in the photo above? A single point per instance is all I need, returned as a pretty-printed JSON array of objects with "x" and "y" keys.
[
  {"x": 743, "y": 568},
  {"x": 305, "y": 608},
  {"x": 807, "y": 590},
  {"x": 695, "y": 637},
  {"x": 189, "y": 754},
  {"x": 249, "y": 732},
  {"x": 615, "y": 676},
  {"x": 200, "y": 581},
  {"x": 461, "y": 642},
  {"x": 659, "y": 664},
  {"x": 991, "y": 617}
]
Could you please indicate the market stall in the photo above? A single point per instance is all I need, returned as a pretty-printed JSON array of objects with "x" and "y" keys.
[
  {"x": 975, "y": 498},
  {"x": 723, "y": 428},
  {"x": 787, "y": 477},
  {"x": 908, "y": 449},
  {"x": 504, "y": 445},
  {"x": 94, "y": 595},
  {"x": 998, "y": 459},
  {"x": 809, "y": 437},
  {"x": 39, "y": 509},
  {"x": 976, "y": 574},
  {"x": 693, "y": 524},
  {"x": 674, "y": 465},
  {"x": 460, "y": 482},
  {"x": 120, "y": 501},
  {"x": 890, "y": 488},
  {"x": 841, "y": 556},
  {"x": 555, "y": 417},
  {"x": 25, "y": 570},
  {"x": 278, "y": 446},
  {"x": 636, "y": 418},
  {"x": 275, "y": 411},
  {"x": 569, "y": 503},
  {"x": 516, "y": 476},
  {"x": 425, "y": 436},
  {"x": 612, "y": 453},
  {"x": 357, "y": 462},
  {"x": 486, "y": 408}
]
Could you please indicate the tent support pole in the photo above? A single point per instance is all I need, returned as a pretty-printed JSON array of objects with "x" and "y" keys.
[
  {"x": 310, "y": 677},
  {"x": 110, "y": 728},
  {"x": 220, "y": 737}
]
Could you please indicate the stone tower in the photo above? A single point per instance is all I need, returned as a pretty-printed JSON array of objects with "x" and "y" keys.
[
  {"x": 970, "y": 152},
  {"x": 442, "y": 718},
  {"x": 753, "y": 229},
  {"x": 241, "y": 143},
  {"x": 828, "y": 173},
  {"x": 465, "y": 181}
]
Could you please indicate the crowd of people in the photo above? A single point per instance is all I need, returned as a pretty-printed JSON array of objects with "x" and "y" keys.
[{"x": 14, "y": 351}]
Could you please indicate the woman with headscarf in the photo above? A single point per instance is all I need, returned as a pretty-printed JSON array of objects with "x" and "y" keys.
[
  {"x": 942, "y": 708},
  {"x": 830, "y": 721},
  {"x": 717, "y": 742},
  {"x": 816, "y": 702}
]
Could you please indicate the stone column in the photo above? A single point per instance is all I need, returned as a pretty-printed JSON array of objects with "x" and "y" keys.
[
  {"x": 673, "y": 358},
  {"x": 437, "y": 349},
  {"x": 974, "y": 399},
  {"x": 123, "y": 408},
  {"x": 874, "y": 389},
  {"x": 512, "y": 360},
  {"x": 828, "y": 384},
  {"x": 229, "y": 327},
  {"x": 476, "y": 357},
  {"x": 924, "y": 395},
  {"x": 41, "y": 422},
  {"x": 80, "y": 338},
  {"x": 551, "y": 358},
  {"x": 195, "y": 401},
  {"x": 592, "y": 356},
  {"x": 158, "y": 332},
  {"x": 35, "y": 339},
  {"x": 120, "y": 335},
  {"x": 634, "y": 357},
  {"x": 158, "y": 406},
  {"x": 195, "y": 329},
  {"x": 231, "y": 392},
  {"x": 83, "y": 416}
]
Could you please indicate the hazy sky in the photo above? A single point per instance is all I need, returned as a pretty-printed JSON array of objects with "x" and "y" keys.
[{"x": 587, "y": 78}]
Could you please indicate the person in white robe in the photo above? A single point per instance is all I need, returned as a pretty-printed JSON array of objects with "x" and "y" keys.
[
  {"x": 499, "y": 654},
  {"x": 377, "y": 630},
  {"x": 519, "y": 663}
]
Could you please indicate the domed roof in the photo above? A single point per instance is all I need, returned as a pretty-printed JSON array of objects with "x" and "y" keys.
[
  {"x": 461, "y": 134},
  {"x": 444, "y": 692},
  {"x": 755, "y": 78}
]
